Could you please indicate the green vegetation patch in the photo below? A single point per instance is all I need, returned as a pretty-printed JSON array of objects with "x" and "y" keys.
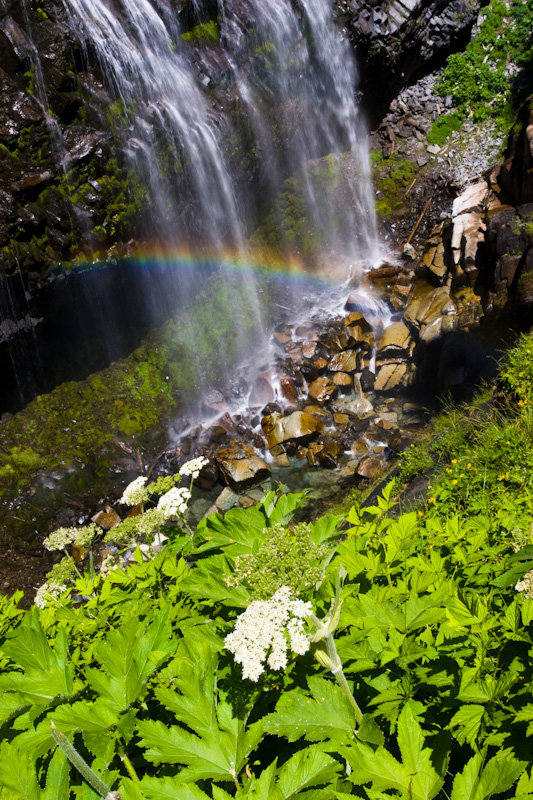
[
  {"x": 478, "y": 79},
  {"x": 208, "y": 31},
  {"x": 373, "y": 654},
  {"x": 72, "y": 422},
  {"x": 445, "y": 126},
  {"x": 392, "y": 177}
]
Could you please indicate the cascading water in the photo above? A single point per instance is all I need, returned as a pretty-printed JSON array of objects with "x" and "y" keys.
[
  {"x": 244, "y": 130},
  {"x": 287, "y": 76}
]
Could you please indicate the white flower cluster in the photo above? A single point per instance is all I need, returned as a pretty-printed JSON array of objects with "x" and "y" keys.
[
  {"x": 135, "y": 492},
  {"x": 60, "y": 538},
  {"x": 109, "y": 563},
  {"x": 174, "y": 502},
  {"x": 194, "y": 466},
  {"x": 48, "y": 591},
  {"x": 268, "y": 627},
  {"x": 526, "y": 585}
]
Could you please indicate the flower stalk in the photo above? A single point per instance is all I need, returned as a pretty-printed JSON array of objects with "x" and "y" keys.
[{"x": 83, "y": 768}]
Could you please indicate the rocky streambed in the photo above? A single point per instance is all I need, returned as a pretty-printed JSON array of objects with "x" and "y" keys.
[{"x": 346, "y": 391}]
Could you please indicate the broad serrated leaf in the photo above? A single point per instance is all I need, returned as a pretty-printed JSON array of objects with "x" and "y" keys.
[
  {"x": 498, "y": 775},
  {"x": 194, "y": 705},
  {"x": 264, "y": 787},
  {"x": 327, "y": 715},
  {"x": 17, "y": 774},
  {"x": 171, "y": 789},
  {"x": 131, "y": 790},
  {"x": 478, "y": 782},
  {"x": 376, "y": 766},
  {"x": 425, "y": 781},
  {"x": 467, "y": 721},
  {"x": 29, "y": 647},
  {"x": 57, "y": 778},
  {"x": 306, "y": 768}
]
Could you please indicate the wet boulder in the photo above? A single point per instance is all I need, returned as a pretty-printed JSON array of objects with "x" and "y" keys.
[
  {"x": 240, "y": 466},
  {"x": 322, "y": 389},
  {"x": 298, "y": 427},
  {"x": 343, "y": 362}
]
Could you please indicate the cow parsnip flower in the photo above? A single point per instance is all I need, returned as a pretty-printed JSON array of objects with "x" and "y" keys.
[
  {"x": 135, "y": 493},
  {"x": 60, "y": 538},
  {"x": 174, "y": 502},
  {"x": 266, "y": 631},
  {"x": 194, "y": 466},
  {"x": 47, "y": 592},
  {"x": 526, "y": 585}
]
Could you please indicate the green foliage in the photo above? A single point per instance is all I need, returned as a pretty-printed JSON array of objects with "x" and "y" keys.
[
  {"x": 391, "y": 177},
  {"x": 444, "y": 126},
  {"x": 477, "y": 79},
  {"x": 205, "y": 30},
  {"x": 435, "y": 643},
  {"x": 285, "y": 558}
]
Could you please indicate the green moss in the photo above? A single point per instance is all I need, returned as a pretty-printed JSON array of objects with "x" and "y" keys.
[
  {"x": 391, "y": 177},
  {"x": 127, "y": 398},
  {"x": 206, "y": 30},
  {"x": 444, "y": 126}
]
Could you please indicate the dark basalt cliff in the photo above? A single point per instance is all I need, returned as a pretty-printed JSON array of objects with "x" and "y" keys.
[
  {"x": 65, "y": 189},
  {"x": 398, "y": 42}
]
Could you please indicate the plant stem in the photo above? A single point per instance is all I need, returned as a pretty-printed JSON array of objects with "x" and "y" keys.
[
  {"x": 237, "y": 784},
  {"x": 91, "y": 563},
  {"x": 340, "y": 677},
  {"x": 78, "y": 762},
  {"x": 129, "y": 766}
]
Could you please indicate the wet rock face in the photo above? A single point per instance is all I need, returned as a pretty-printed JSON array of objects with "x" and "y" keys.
[{"x": 393, "y": 40}]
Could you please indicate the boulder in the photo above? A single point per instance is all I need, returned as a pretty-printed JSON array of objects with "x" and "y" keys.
[
  {"x": 298, "y": 427},
  {"x": 240, "y": 466},
  {"x": 369, "y": 467},
  {"x": 391, "y": 376},
  {"x": 289, "y": 390},
  {"x": 322, "y": 389},
  {"x": 343, "y": 362},
  {"x": 396, "y": 341}
]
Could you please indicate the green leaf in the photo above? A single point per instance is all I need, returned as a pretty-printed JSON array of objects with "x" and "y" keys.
[
  {"x": 131, "y": 790},
  {"x": 57, "y": 778},
  {"x": 468, "y": 721},
  {"x": 171, "y": 789},
  {"x": 29, "y": 647},
  {"x": 17, "y": 774},
  {"x": 479, "y": 783},
  {"x": 194, "y": 705},
  {"x": 378, "y": 767},
  {"x": 308, "y": 767},
  {"x": 425, "y": 781},
  {"x": 326, "y": 716}
]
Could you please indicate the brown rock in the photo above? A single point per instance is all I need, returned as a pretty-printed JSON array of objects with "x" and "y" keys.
[
  {"x": 309, "y": 349},
  {"x": 320, "y": 363},
  {"x": 322, "y": 389},
  {"x": 344, "y": 362},
  {"x": 395, "y": 341},
  {"x": 298, "y": 426},
  {"x": 342, "y": 379},
  {"x": 288, "y": 390},
  {"x": 369, "y": 467},
  {"x": 390, "y": 376},
  {"x": 240, "y": 466},
  {"x": 106, "y": 519},
  {"x": 282, "y": 338},
  {"x": 359, "y": 319},
  {"x": 317, "y": 411}
]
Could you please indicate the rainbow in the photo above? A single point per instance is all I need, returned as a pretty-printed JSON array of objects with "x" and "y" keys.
[{"x": 288, "y": 267}]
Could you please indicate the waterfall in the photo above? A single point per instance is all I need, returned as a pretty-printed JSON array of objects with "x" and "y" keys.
[{"x": 272, "y": 82}]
